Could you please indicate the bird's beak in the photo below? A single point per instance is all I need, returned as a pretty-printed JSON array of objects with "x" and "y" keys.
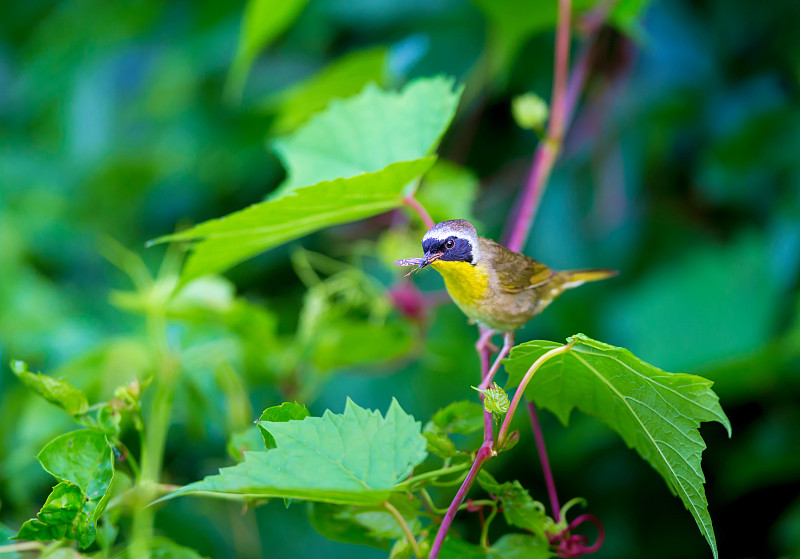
[{"x": 430, "y": 257}]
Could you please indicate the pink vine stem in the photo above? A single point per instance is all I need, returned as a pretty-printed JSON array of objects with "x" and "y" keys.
[{"x": 564, "y": 98}]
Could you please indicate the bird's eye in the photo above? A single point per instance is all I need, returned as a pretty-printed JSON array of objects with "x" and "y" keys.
[{"x": 450, "y": 243}]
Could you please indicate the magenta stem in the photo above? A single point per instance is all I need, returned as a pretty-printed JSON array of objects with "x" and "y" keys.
[
  {"x": 484, "y": 453},
  {"x": 414, "y": 204},
  {"x": 548, "y": 473},
  {"x": 550, "y": 146}
]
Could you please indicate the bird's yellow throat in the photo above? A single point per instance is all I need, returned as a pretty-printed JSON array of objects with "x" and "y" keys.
[{"x": 465, "y": 283}]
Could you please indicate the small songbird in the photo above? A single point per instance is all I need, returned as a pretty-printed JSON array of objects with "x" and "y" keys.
[{"x": 498, "y": 288}]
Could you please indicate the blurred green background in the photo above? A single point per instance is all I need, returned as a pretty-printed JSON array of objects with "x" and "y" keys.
[{"x": 681, "y": 169}]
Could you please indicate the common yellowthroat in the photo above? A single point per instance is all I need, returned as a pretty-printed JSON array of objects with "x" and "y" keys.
[{"x": 499, "y": 289}]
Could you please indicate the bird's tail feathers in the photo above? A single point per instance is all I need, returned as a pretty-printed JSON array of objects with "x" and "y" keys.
[{"x": 574, "y": 278}]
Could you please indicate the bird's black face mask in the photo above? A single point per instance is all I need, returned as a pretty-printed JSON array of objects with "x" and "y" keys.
[{"x": 452, "y": 249}]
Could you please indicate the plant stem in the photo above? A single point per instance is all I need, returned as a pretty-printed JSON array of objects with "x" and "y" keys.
[
  {"x": 414, "y": 204},
  {"x": 550, "y": 146},
  {"x": 484, "y": 454},
  {"x": 412, "y": 541},
  {"x": 548, "y": 474},
  {"x": 501, "y": 435},
  {"x": 434, "y": 473},
  {"x": 22, "y": 546},
  {"x": 155, "y": 434}
]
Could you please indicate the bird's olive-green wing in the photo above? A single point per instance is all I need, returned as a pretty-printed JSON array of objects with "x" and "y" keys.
[{"x": 516, "y": 272}]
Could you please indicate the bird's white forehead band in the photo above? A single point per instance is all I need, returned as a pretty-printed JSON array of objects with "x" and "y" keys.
[{"x": 443, "y": 234}]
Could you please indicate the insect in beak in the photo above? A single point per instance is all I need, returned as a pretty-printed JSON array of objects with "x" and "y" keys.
[{"x": 420, "y": 263}]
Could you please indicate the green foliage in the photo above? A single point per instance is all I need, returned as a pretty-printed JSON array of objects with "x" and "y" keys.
[
  {"x": 227, "y": 241},
  {"x": 59, "y": 393},
  {"x": 83, "y": 462},
  {"x": 462, "y": 417},
  {"x": 680, "y": 170},
  {"x": 655, "y": 412},
  {"x": 519, "y": 508},
  {"x": 357, "y": 457},
  {"x": 368, "y": 132}
]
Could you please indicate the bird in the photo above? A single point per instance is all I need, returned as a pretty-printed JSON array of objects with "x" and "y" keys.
[{"x": 495, "y": 287}]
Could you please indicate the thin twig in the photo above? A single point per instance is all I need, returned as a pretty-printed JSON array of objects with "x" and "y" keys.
[
  {"x": 548, "y": 473},
  {"x": 550, "y": 146},
  {"x": 484, "y": 454},
  {"x": 414, "y": 204},
  {"x": 412, "y": 541}
]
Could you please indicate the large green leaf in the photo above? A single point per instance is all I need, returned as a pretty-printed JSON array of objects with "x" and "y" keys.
[
  {"x": 262, "y": 22},
  {"x": 353, "y": 458},
  {"x": 57, "y": 392},
  {"x": 231, "y": 239},
  {"x": 365, "y": 133},
  {"x": 655, "y": 412}
]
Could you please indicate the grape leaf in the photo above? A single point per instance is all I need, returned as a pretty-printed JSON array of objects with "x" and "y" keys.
[
  {"x": 343, "y": 78},
  {"x": 57, "y": 392},
  {"x": 655, "y": 412},
  {"x": 353, "y": 458},
  {"x": 229, "y": 240},
  {"x": 365, "y": 133}
]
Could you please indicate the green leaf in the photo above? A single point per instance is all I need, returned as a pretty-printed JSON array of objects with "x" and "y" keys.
[
  {"x": 462, "y": 417},
  {"x": 57, "y": 392},
  {"x": 262, "y": 22},
  {"x": 83, "y": 462},
  {"x": 495, "y": 400},
  {"x": 287, "y": 411},
  {"x": 344, "y": 77},
  {"x": 227, "y": 241},
  {"x": 509, "y": 546},
  {"x": 365, "y": 133},
  {"x": 519, "y": 508},
  {"x": 448, "y": 192},
  {"x": 655, "y": 412},
  {"x": 353, "y": 458},
  {"x": 61, "y": 517}
]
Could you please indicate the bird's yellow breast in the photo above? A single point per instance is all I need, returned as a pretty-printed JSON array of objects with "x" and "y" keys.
[{"x": 467, "y": 284}]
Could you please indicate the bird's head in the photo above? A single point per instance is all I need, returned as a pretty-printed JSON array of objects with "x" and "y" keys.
[{"x": 454, "y": 241}]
